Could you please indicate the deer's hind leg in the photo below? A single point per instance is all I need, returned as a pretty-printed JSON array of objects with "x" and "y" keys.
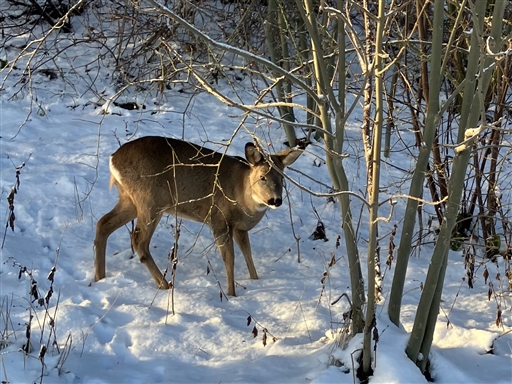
[
  {"x": 147, "y": 220},
  {"x": 123, "y": 212}
]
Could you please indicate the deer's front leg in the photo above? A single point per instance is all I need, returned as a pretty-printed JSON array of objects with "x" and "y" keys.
[{"x": 242, "y": 239}]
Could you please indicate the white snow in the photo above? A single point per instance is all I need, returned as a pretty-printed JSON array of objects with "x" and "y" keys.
[{"x": 121, "y": 329}]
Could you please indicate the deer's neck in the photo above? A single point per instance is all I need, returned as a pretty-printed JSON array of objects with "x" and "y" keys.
[{"x": 250, "y": 203}]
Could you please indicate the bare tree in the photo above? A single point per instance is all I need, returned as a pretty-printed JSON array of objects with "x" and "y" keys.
[{"x": 393, "y": 58}]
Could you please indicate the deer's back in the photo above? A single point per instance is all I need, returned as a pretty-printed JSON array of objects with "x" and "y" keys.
[{"x": 179, "y": 177}]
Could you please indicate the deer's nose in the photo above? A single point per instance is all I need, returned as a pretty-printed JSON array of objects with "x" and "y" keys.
[{"x": 275, "y": 202}]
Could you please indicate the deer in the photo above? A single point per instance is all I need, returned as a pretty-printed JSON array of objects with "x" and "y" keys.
[{"x": 159, "y": 175}]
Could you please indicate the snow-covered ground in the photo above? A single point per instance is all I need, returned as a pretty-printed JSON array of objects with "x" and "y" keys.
[{"x": 121, "y": 329}]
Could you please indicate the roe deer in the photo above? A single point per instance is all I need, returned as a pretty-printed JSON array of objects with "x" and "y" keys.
[{"x": 157, "y": 175}]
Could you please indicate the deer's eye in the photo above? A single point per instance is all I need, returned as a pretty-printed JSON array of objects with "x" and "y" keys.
[{"x": 263, "y": 178}]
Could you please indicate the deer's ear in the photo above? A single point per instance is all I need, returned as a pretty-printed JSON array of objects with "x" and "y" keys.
[
  {"x": 289, "y": 156},
  {"x": 252, "y": 154}
]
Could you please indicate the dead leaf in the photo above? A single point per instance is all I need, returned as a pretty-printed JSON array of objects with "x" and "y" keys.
[
  {"x": 319, "y": 233},
  {"x": 485, "y": 274}
]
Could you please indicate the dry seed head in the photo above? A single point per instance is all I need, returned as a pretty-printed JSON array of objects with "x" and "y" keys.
[
  {"x": 51, "y": 275},
  {"x": 498, "y": 318},
  {"x": 42, "y": 352},
  {"x": 485, "y": 274}
]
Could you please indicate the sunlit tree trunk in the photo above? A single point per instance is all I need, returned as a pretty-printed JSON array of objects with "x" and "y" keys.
[
  {"x": 373, "y": 188},
  {"x": 334, "y": 148},
  {"x": 418, "y": 178},
  {"x": 472, "y": 121},
  {"x": 277, "y": 48}
]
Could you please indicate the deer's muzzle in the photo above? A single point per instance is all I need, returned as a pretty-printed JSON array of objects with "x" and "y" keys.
[{"x": 275, "y": 202}]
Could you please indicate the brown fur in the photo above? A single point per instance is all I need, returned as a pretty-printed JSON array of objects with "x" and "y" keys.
[{"x": 156, "y": 175}]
